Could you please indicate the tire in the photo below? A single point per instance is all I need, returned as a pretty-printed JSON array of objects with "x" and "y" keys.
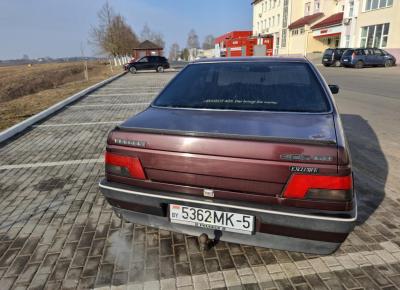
[
  {"x": 336, "y": 63},
  {"x": 359, "y": 64},
  {"x": 160, "y": 69},
  {"x": 326, "y": 65},
  {"x": 133, "y": 70},
  {"x": 388, "y": 63}
]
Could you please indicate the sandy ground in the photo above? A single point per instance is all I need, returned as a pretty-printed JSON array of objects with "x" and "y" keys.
[{"x": 25, "y": 91}]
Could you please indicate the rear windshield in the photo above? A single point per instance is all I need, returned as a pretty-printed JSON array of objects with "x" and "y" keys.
[
  {"x": 256, "y": 86},
  {"x": 328, "y": 52}
]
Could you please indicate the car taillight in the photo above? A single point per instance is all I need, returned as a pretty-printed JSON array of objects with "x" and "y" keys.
[
  {"x": 124, "y": 166},
  {"x": 335, "y": 188}
]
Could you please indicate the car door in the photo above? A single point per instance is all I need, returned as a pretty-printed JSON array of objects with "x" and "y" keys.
[
  {"x": 379, "y": 57},
  {"x": 369, "y": 58},
  {"x": 142, "y": 63},
  {"x": 154, "y": 62}
]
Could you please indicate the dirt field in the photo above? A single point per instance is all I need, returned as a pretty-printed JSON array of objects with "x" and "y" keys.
[{"x": 25, "y": 91}]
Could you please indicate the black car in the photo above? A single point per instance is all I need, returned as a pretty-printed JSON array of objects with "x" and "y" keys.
[
  {"x": 332, "y": 56},
  {"x": 157, "y": 63}
]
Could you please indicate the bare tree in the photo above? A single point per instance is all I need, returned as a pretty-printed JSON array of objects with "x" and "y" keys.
[
  {"x": 158, "y": 39},
  {"x": 155, "y": 37},
  {"x": 98, "y": 34},
  {"x": 124, "y": 39},
  {"x": 193, "y": 40},
  {"x": 146, "y": 33},
  {"x": 174, "y": 51},
  {"x": 185, "y": 54},
  {"x": 209, "y": 42},
  {"x": 113, "y": 35}
]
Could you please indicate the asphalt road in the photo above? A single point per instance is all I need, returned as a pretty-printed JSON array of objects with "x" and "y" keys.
[
  {"x": 369, "y": 102},
  {"x": 56, "y": 229}
]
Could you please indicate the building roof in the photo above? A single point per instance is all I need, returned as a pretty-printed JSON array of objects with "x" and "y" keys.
[
  {"x": 233, "y": 34},
  {"x": 306, "y": 20},
  {"x": 329, "y": 21},
  {"x": 147, "y": 44}
]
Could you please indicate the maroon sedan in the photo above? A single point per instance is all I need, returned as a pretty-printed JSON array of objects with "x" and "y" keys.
[{"x": 245, "y": 150}]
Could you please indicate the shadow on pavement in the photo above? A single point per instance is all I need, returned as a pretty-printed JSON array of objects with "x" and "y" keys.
[{"x": 369, "y": 164}]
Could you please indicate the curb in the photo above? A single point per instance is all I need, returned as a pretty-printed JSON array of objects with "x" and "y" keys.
[{"x": 21, "y": 126}]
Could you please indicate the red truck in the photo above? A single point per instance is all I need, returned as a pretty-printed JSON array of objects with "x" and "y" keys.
[
  {"x": 242, "y": 43},
  {"x": 246, "y": 150}
]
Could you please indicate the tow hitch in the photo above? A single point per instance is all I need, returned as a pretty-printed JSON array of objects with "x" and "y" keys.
[{"x": 206, "y": 243}]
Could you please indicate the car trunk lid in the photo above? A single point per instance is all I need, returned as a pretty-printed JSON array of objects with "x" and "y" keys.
[{"x": 240, "y": 151}]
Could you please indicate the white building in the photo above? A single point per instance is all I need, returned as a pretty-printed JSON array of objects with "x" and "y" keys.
[{"x": 270, "y": 19}]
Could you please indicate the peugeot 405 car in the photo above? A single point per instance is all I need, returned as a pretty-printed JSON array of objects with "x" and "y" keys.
[{"x": 245, "y": 150}]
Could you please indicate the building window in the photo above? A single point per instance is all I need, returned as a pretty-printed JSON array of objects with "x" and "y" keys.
[
  {"x": 269, "y": 22},
  {"x": 375, "y": 35},
  {"x": 262, "y": 7},
  {"x": 351, "y": 8},
  {"x": 295, "y": 32},
  {"x": 307, "y": 8},
  {"x": 376, "y": 4},
  {"x": 302, "y": 30},
  {"x": 273, "y": 20},
  {"x": 273, "y": 6},
  {"x": 283, "y": 41},
  {"x": 285, "y": 13},
  {"x": 347, "y": 41},
  {"x": 278, "y": 20},
  {"x": 316, "y": 6}
]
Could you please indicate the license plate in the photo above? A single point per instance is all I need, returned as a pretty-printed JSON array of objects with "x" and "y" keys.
[
  {"x": 211, "y": 219},
  {"x": 325, "y": 59},
  {"x": 345, "y": 60}
]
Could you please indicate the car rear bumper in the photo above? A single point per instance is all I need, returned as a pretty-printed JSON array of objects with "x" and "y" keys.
[
  {"x": 285, "y": 230},
  {"x": 327, "y": 62},
  {"x": 347, "y": 63}
]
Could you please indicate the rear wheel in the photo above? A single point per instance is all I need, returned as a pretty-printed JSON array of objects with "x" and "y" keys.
[
  {"x": 160, "y": 69},
  {"x": 388, "y": 63},
  {"x": 133, "y": 69},
  {"x": 359, "y": 64}
]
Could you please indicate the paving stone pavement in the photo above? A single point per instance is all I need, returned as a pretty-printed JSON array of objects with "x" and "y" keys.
[{"x": 57, "y": 231}]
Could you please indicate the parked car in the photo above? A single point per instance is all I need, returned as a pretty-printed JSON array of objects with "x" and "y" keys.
[
  {"x": 127, "y": 65},
  {"x": 157, "y": 63},
  {"x": 332, "y": 56},
  {"x": 361, "y": 57},
  {"x": 245, "y": 150}
]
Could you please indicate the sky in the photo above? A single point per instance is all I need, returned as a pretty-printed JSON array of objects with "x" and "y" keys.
[{"x": 55, "y": 28}]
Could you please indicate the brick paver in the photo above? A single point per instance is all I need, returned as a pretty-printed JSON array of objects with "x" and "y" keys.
[{"x": 56, "y": 229}]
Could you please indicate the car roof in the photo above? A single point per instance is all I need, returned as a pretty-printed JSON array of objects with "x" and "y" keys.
[
  {"x": 336, "y": 48},
  {"x": 252, "y": 59}
]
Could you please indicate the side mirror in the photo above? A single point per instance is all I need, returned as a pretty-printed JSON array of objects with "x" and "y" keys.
[{"x": 334, "y": 89}]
